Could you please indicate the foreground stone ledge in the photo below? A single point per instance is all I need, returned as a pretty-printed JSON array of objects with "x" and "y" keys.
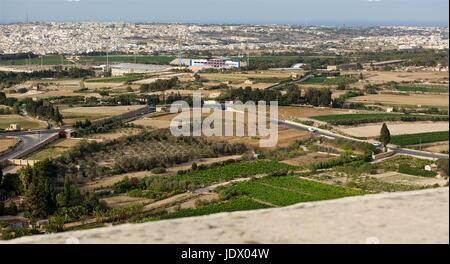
[{"x": 409, "y": 217}]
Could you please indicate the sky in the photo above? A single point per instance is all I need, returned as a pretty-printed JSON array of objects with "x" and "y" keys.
[{"x": 301, "y": 12}]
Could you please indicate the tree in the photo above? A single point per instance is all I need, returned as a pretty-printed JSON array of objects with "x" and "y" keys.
[
  {"x": 1, "y": 175},
  {"x": 385, "y": 136},
  {"x": 443, "y": 167},
  {"x": 41, "y": 196},
  {"x": 70, "y": 196}
]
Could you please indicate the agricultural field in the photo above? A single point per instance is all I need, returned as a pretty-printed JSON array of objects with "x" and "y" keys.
[
  {"x": 355, "y": 119},
  {"x": 54, "y": 149},
  {"x": 233, "y": 205},
  {"x": 265, "y": 193},
  {"x": 401, "y": 178},
  {"x": 25, "y": 123},
  {"x": 396, "y": 128},
  {"x": 115, "y": 134},
  {"x": 420, "y": 138},
  {"x": 293, "y": 112},
  {"x": 424, "y": 77},
  {"x": 283, "y": 191},
  {"x": 7, "y": 143},
  {"x": 436, "y": 148},
  {"x": 257, "y": 76},
  {"x": 144, "y": 59},
  {"x": 109, "y": 181},
  {"x": 119, "y": 79},
  {"x": 331, "y": 80},
  {"x": 438, "y": 100},
  {"x": 64, "y": 87},
  {"x": 141, "y": 152},
  {"x": 45, "y": 60},
  {"x": 71, "y": 115},
  {"x": 233, "y": 171},
  {"x": 286, "y": 136},
  {"x": 422, "y": 89},
  {"x": 309, "y": 158},
  {"x": 407, "y": 165}
]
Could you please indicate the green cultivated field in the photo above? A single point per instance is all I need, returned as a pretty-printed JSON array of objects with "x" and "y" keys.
[
  {"x": 233, "y": 171},
  {"x": 418, "y": 89},
  {"x": 127, "y": 59},
  {"x": 421, "y": 138},
  {"x": 331, "y": 81},
  {"x": 46, "y": 60},
  {"x": 269, "y": 192},
  {"x": 353, "y": 119},
  {"x": 283, "y": 191}
]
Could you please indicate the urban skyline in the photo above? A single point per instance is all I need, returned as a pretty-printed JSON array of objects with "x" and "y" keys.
[{"x": 346, "y": 12}]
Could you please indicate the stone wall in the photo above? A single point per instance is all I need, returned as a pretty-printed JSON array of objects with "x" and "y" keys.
[{"x": 410, "y": 217}]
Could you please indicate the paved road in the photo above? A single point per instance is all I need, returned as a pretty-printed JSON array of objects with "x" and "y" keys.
[
  {"x": 280, "y": 85},
  {"x": 31, "y": 132},
  {"x": 421, "y": 154},
  {"x": 28, "y": 141},
  {"x": 412, "y": 152},
  {"x": 329, "y": 134}
]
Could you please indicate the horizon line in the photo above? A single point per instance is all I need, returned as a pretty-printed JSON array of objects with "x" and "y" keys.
[{"x": 309, "y": 24}]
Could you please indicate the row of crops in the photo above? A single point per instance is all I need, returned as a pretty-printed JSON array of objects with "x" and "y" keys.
[
  {"x": 283, "y": 191},
  {"x": 421, "y": 138},
  {"x": 354, "y": 119},
  {"x": 159, "y": 187},
  {"x": 421, "y": 89},
  {"x": 144, "y": 151},
  {"x": 269, "y": 192}
]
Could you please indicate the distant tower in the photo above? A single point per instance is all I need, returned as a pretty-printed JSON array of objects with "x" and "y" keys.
[{"x": 27, "y": 19}]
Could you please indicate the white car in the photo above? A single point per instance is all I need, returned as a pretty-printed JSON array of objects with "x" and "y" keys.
[
  {"x": 312, "y": 129},
  {"x": 376, "y": 144}
]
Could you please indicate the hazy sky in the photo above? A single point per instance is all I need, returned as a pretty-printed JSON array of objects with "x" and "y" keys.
[{"x": 334, "y": 12}]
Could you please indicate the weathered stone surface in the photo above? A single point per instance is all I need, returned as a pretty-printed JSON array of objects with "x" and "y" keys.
[{"x": 411, "y": 217}]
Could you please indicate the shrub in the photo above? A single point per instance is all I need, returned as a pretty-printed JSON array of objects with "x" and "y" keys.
[{"x": 159, "y": 170}]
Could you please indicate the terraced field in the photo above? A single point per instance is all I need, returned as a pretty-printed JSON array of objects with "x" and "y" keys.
[
  {"x": 282, "y": 191},
  {"x": 269, "y": 192}
]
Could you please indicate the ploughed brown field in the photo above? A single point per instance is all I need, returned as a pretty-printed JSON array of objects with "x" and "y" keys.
[{"x": 396, "y": 128}]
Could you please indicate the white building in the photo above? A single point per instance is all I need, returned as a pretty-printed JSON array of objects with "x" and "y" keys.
[{"x": 130, "y": 68}]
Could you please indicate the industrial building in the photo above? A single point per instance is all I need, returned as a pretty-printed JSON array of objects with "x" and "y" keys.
[
  {"x": 217, "y": 63},
  {"x": 130, "y": 68}
]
